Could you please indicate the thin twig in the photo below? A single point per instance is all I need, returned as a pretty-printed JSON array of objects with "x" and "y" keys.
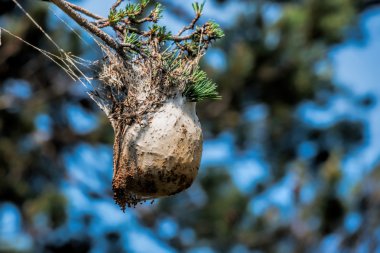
[
  {"x": 100, "y": 21},
  {"x": 115, "y": 5},
  {"x": 105, "y": 24},
  {"x": 124, "y": 25},
  {"x": 68, "y": 26},
  {"x": 191, "y": 25},
  {"x": 143, "y": 20},
  {"x": 179, "y": 38},
  {"x": 36, "y": 24},
  {"x": 84, "y": 11},
  {"x": 65, "y": 7}
]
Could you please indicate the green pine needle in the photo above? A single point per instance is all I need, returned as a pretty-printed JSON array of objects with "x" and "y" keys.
[
  {"x": 115, "y": 16},
  {"x": 132, "y": 38},
  {"x": 179, "y": 55},
  {"x": 132, "y": 10},
  {"x": 144, "y": 3},
  {"x": 198, "y": 8},
  {"x": 200, "y": 87},
  {"x": 157, "y": 11},
  {"x": 215, "y": 30}
]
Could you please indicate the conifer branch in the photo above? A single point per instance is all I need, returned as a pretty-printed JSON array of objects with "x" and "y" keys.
[
  {"x": 131, "y": 42},
  {"x": 65, "y": 6}
]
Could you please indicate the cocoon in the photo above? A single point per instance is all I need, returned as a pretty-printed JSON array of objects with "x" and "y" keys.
[
  {"x": 158, "y": 137},
  {"x": 159, "y": 156},
  {"x": 147, "y": 83}
]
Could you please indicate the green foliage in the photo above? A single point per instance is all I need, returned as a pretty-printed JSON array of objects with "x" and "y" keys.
[
  {"x": 200, "y": 87},
  {"x": 213, "y": 30},
  {"x": 185, "y": 48},
  {"x": 157, "y": 12},
  {"x": 171, "y": 60},
  {"x": 132, "y": 38},
  {"x": 198, "y": 8},
  {"x": 132, "y": 10},
  {"x": 160, "y": 32},
  {"x": 144, "y": 3},
  {"x": 115, "y": 16},
  {"x": 190, "y": 46}
]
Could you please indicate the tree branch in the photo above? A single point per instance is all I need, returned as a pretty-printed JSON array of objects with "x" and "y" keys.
[
  {"x": 179, "y": 38},
  {"x": 116, "y": 4},
  {"x": 84, "y": 11},
  {"x": 191, "y": 25},
  {"x": 130, "y": 40},
  {"x": 65, "y": 7}
]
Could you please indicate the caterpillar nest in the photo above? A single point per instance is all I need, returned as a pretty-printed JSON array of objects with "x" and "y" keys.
[
  {"x": 158, "y": 137},
  {"x": 149, "y": 83}
]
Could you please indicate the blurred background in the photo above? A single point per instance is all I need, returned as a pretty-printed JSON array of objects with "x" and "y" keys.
[{"x": 291, "y": 159}]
